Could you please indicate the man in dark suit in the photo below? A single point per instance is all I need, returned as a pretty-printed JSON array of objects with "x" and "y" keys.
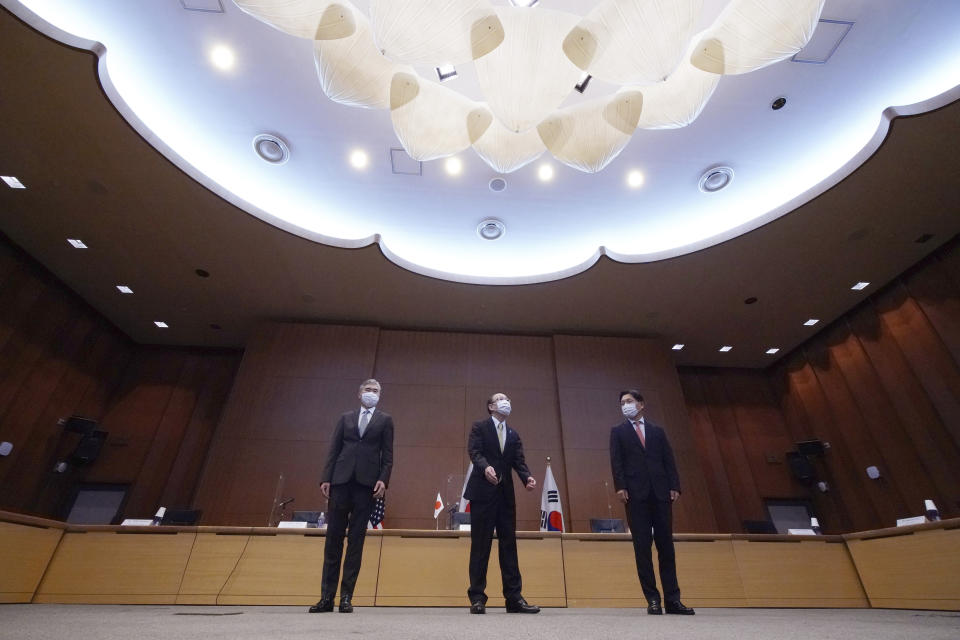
[
  {"x": 496, "y": 451},
  {"x": 357, "y": 471},
  {"x": 646, "y": 480}
]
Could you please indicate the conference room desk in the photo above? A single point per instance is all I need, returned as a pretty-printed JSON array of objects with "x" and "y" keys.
[
  {"x": 49, "y": 561},
  {"x": 717, "y": 570},
  {"x": 916, "y": 567}
]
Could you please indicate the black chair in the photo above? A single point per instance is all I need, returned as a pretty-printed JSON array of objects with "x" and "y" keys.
[
  {"x": 310, "y": 517},
  {"x": 759, "y": 526},
  {"x": 180, "y": 517},
  {"x": 606, "y": 525}
]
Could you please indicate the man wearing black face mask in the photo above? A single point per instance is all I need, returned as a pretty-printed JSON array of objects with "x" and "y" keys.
[
  {"x": 646, "y": 480},
  {"x": 357, "y": 471},
  {"x": 496, "y": 451}
]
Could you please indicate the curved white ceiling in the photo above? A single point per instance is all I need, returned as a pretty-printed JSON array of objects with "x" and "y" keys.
[{"x": 898, "y": 58}]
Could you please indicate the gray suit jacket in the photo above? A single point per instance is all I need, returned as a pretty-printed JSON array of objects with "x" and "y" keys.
[{"x": 365, "y": 459}]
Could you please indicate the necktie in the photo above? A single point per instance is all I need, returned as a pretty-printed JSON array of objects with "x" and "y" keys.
[
  {"x": 500, "y": 436},
  {"x": 636, "y": 426},
  {"x": 364, "y": 420}
]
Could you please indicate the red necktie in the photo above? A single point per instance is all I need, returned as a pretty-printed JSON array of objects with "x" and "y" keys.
[{"x": 636, "y": 426}]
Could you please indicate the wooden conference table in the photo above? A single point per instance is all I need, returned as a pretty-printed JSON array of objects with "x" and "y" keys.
[{"x": 47, "y": 561}]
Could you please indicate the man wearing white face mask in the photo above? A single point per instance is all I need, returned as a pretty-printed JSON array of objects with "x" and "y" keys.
[
  {"x": 357, "y": 471},
  {"x": 645, "y": 477},
  {"x": 496, "y": 452}
]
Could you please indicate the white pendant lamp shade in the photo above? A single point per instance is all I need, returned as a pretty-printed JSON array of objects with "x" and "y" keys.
[
  {"x": 633, "y": 41},
  {"x": 506, "y": 151},
  {"x": 432, "y": 121},
  {"x": 435, "y": 32},
  {"x": 311, "y": 19},
  {"x": 589, "y": 136},
  {"x": 751, "y": 34},
  {"x": 352, "y": 71},
  {"x": 527, "y": 76},
  {"x": 678, "y": 101}
]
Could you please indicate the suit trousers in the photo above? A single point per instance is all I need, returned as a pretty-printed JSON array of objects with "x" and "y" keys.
[
  {"x": 644, "y": 514},
  {"x": 485, "y": 516},
  {"x": 350, "y": 507}
]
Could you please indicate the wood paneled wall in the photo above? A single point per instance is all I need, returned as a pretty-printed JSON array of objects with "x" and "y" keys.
[
  {"x": 296, "y": 379},
  {"x": 59, "y": 357},
  {"x": 881, "y": 385}
]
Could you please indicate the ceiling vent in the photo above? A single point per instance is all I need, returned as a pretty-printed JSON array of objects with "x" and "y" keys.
[
  {"x": 402, "y": 164},
  {"x": 204, "y": 6},
  {"x": 271, "y": 148},
  {"x": 827, "y": 37}
]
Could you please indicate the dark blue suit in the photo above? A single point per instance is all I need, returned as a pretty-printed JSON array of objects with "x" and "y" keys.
[
  {"x": 648, "y": 473},
  {"x": 494, "y": 507}
]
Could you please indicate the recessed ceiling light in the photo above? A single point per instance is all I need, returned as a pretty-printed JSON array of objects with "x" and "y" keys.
[
  {"x": 524, "y": 3},
  {"x": 76, "y": 243},
  {"x": 772, "y": 350},
  {"x": 715, "y": 179},
  {"x": 811, "y": 322},
  {"x": 222, "y": 57},
  {"x": 491, "y": 229},
  {"x": 726, "y": 348},
  {"x": 124, "y": 288},
  {"x": 13, "y": 182},
  {"x": 778, "y": 104},
  {"x": 498, "y": 184},
  {"x": 545, "y": 172},
  {"x": 677, "y": 347},
  {"x": 446, "y": 72},
  {"x": 454, "y": 166},
  {"x": 271, "y": 148},
  {"x": 359, "y": 159},
  {"x": 860, "y": 286},
  {"x": 161, "y": 324},
  {"x": 635, "y": 179}
]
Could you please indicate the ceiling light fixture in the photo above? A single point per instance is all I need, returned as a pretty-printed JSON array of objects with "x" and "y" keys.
[
  {"x": 811, "y": 322},
  {"x": 271, "y": 148},
  {"x": 545, "y": 172},
  {"x": 528, "y": 62},
  {"x": 715, "y": 179},
  {"x": 359, "y": 159},
  {"x": 453, "y": 166},
  {"x": 778, "y": 104},
  {"x": 222, "y": 57},
  {"x": 76, "y": 243},
  {"x": 726, "y": 348},
  {"x": 772, "y": 350},
  {"x": 13, "y": 182},
  {"x": 860, "y": 286},
  {"x": 635, "y": 179},
  {"x": 161, "y": 324},
  {"x": 497, "y": 184},
  {"x": 491, "y": 229},
  {"x": 581, "y": 86},
  {"x": 677, "y": 347},
  {"x": 124, "y": 288}
]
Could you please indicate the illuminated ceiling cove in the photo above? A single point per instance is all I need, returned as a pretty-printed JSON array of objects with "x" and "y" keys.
[{"x": 238, "y": 105}]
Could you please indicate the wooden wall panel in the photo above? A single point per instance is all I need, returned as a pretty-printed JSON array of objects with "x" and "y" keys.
[
  {"x": 59, "y": 357},
  {"x": 590, "y": 373}
]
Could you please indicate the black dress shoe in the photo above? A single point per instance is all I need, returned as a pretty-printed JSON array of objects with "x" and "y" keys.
[
  {"x": 521, "y": 606},
  {"x": 324, "y": 605},
  {"x": 678, "y": 608},
  {"x": 478, "y": 607},
  {"x": 653, "y": 608},
  {"x": 345, "y": 605}
]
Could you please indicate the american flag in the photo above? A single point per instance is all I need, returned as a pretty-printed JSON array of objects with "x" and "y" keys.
[{"x": 376, "y": 516}]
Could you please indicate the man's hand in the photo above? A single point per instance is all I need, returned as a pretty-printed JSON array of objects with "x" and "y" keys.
[
  {"x": 674, "y": 495},
  {"x": 325, "y": 489},
  {"x": 379, "y": 489},
  {"x": 491, "y": 475},
  {"x": 622, "y": 495},
  {"x": 531, "y": 483}
]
